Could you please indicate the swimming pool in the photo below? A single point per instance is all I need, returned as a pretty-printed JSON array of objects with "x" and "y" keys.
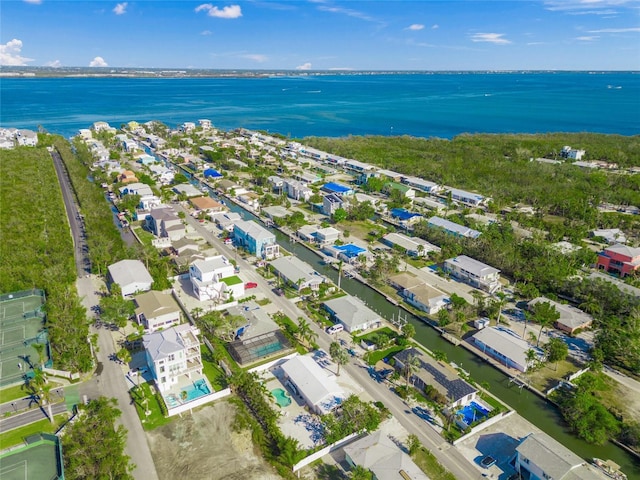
[
  {"x": 264, "y": 350},
  {"x": 472, "y": 412},
  {"x": 281, "y": 397},
  {"x": 198, "y": 389}
]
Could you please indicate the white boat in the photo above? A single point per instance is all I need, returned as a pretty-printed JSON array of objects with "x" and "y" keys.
[{"x": 609, "y": 468}]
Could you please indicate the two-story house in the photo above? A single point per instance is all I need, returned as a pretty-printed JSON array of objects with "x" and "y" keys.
[
  {"x": 207, "y": 279},
  {"x": 156, "y": 310},
  {"x": 473, "y": 272},
  {"x": 619, "y": 259},
  {"x": 257, "y": 240},
  {"x": 164, "y": 222},
  {"x": 172, "y": 353}
]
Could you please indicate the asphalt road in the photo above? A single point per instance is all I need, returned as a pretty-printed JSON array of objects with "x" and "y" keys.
[
  {"x": 110, "y": 381},
  {"x": 30, "y": 416},
  {"x": 446, "y": 454}
]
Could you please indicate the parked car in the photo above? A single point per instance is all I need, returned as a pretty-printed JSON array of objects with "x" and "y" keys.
[
  {"x": 487, "y": 461},
  {"x": 335, "y": 328},
  {"x": 250, "y": 285}
]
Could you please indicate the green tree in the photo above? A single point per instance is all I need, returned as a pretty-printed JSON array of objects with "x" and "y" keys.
[
  {"x": 557, "y": 350},
  {"x": 545, "y": 314},
  {"x": 305, "y": 333},
  {"x": 116, "y": 309},
  {"x": 82, "y": 459},
  {"x": 413, "y": 443},
  {"x": 39, "y": 388},
  {"x": 411, "y": 366},
  {"x": 340, "y": 215},
  {"x": 124, "y": 355},
  {"x": 360, "y": 473},
  {"x": 339, "y": 355},
  {"x": 290, "y": 451},
  {"x": 408, "y": 330}
]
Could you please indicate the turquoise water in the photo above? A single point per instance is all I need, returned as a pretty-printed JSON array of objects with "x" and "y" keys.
[
  {"x": 281, "y": 397},
  {"x": 425, "y": 105},
  {"x": 265, "y": 350},
  {"x": 195, "y": 391},
  {"x": 473, "y": 412}
]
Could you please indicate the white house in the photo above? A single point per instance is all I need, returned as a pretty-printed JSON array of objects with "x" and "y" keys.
[
  {"x": 26, "y": 138},
  {"x": 352, "y": 313},
  {"x": 297, "y": 273},
  {"x": 156, "y": 310},
  {"x": 297, "y": 190},
  {"x": 573, "y": 153},
  {"x": 504, "y": 345},
  {"x": 319, "y": 389},
  {"x": 330, "y": 203},
  {"x": 473, "y": 272},
  {"x": 207, "y": 279},
  {"x": 164, "y": 222},
  {"x": 131, "y": 276},
  {"x": 416, "y": 292},
  {"x": 541, "y": 457},
  {"x": 327, "y": 235},
  {"x": 172, "y": 353},
  {"x": 414, "y": 246}
]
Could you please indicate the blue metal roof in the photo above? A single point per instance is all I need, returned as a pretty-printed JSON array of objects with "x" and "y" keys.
[
  {"x": 335, "y": 187},
  {"x": 402, "y": 214}
]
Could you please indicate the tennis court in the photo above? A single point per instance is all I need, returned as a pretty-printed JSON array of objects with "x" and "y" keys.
[
  {"x": 21, "y": 326},
  {"x": 40, "y": 458}
]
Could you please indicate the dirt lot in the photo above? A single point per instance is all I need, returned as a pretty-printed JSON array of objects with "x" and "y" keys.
[{"x": 204, "y": 446}]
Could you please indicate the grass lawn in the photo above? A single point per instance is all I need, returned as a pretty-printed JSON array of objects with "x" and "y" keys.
[
  {"x": 548, "y": 376},
  {"x": 213, "y": 372},
  {"x": 17, "y": 435},
  {"x": 156, "y": 418},
  {"x": 263, "y": 301},
  {"x": 374, "y": 357},
  {"x": 430, "y": 465},
  {"x": 145, "y": 237},
  {"x": 386, "y": 330},
  {"x": 13, "y": 393}
]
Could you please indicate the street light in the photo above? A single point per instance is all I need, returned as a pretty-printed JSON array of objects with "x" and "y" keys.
[{"x": 13, "y": 404}]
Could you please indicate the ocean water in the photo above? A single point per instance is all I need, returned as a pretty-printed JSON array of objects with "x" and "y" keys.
[{"x": 424, "y": 105}]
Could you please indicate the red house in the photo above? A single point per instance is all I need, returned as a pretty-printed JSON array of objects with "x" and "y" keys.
[{"x": 619, "y": 259}]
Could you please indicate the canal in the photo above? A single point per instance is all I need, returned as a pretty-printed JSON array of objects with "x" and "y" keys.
[{"x": 536, "y": 410}]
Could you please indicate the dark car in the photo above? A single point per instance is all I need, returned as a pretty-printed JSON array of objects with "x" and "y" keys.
[{"x": 487, "y": 461}]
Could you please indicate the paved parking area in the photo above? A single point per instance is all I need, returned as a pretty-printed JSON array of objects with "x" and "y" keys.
[{"x": 499, "y": 441}]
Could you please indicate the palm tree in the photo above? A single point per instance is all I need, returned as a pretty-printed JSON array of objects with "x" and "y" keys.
[
  {"x": 360, "y": 473},
  {"x": 545, "y": 314},
  {"x": 408, "y": 330},
  {"x": 411, "y": 366},
  {"x": 304, "y": 331},
  {"x": 531, "y": 357},
  {"x": 39, "y": 348},
  {"x": 499, "y": 303},
  {"x": 338, "y": 355},
  {"x": 40, "y": 390},
  {"x": 290, "y": 452}
]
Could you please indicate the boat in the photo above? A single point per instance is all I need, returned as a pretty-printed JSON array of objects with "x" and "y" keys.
[{"x": 609, "y": 468}]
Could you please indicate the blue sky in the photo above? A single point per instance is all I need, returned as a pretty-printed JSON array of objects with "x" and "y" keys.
[{"x": 324, "y": 34}]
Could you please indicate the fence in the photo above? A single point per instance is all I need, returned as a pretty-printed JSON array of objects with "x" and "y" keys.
[
  {"x": 330, "y": 448},
  {"x": 483, "y": 425},
  {"x": 200, "y": 401},
  {"x": 62, "y": 373}
]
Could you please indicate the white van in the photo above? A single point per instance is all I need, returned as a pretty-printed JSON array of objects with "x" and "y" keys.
[{"x": 335, "y": 328}]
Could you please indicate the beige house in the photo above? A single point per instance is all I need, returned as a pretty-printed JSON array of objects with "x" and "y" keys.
[{"x": 157, "y": 310}]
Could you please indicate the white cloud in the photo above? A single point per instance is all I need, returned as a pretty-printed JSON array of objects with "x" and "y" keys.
[
  {"x": 490, "y": 38},
  {"x": 98, "y": 62},
  {"x": 616, "y": 30},
  {"x": 256, "y": 57},
  {"x": 206, "y": 32},
  {"x": 120, "y": 8},
  {"x": 231, "y": 11},
  {"x": 586, "y": 7},
  {"x": 33, "y": 2},
  {"x": 415, "y": 26},
  {"x": 10, "y": 54},
  {"x": 304, "y": 66},
  {"x": 435, "y": 26},
  {"x": 587, "y": 38},
  {"x": 347, "y": 11},
  {"x": 53, "y": 64}
]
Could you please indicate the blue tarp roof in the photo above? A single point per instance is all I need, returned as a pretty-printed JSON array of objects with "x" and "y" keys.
[
  {"x": 402, "y": 214},
  {"x": 210, "y": 172},
  {"x": 335, "y": 187}
]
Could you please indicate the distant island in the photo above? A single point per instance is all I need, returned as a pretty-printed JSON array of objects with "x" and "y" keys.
[{"x": 138, "y": 72}]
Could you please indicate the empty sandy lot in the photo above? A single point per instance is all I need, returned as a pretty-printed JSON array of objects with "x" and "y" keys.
[{"x": 204, "y": 446}]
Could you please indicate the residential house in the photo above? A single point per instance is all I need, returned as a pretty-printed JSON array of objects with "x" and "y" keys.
[
  {"x": 187, "y": 189},
  {"x": 404, "y": 217},
  {"x": 541, "y": 457},
  {"x": 473, "y": 272},
  {"x": 314, "y": 384},
  {"x": 421, "y": 184},
  {"x": 337, "y": 189},
  {"x": 156, "y": 310},
  {"x": 251, "y": 200},
  {"x": 352, "y": 313},
  {"x": 297, "y": 190},
  {"x": 225, "y": 220},
  {"x": 414, "y": 246},
  {"x": 145, "y": 159},
  {"x": 297, "y": 273},
  {"x": 620, "y": 260},
  {"x": 205, "y": 123},
  {"x": 162, "y": 174},
  {"x": 429, "y": 203},
  {"x": 276, "y": 212},
  {"x": 331, "y": 203},
  {"x": 571, "y": 318},
  {"x": 610, "y": 235},
  {"x": 377, "y": 453},
  {"x": 308, "y": 178},
  {"x": 390, "y": 175},
  {"x": 467, "y": 198},
  {"x": 405, "y": 190},
  {"x": 440, "y": 376},
  {"x": 208, "y": 279},
  {"x": 572, "y": 153},
  {"x": 131, "y": 276},
  {"x": 187, "y": 127},
  {"x": 26, "y": 138},
  {"x": 504, "y": 345},
  {"x": 102, "y": 127},
  {"x": 418, "y": 293},
  {"x": 206, "y": 204},
  {"x": 327, "y": 235},
  {"x": 256, "y": 239},
  {"x": 127, "y": 176},
  {"x": 172, "y": 353},
  {"x": 163, "y": 222},
  {"x": 277, "y": 183},
  {"x": 307, "y": 233}
]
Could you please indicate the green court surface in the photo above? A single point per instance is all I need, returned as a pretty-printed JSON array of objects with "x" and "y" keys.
[
  {"x": 21, "y": 326},
  {"x": 40, "y": 458}
]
